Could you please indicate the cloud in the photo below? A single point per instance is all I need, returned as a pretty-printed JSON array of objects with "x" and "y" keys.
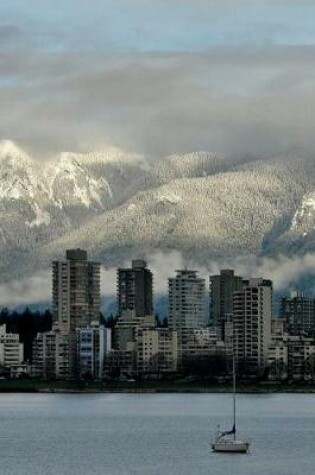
[
  {"x": 31, "y": 290},
  {"x": 108, "y": 282},
  {"x": 158, "y": 77},
  {"x": 285, "y": 272},
  {"x": 8, "y": 33},
  {"x": 228, "y": 100}
]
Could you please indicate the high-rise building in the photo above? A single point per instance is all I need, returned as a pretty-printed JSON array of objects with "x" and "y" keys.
[
  {"x": 186, "y": 296},
  {"x": 76, "y": 303},
  {"x": 298, "y": 313},
  {"x": 222, "y": 288},
  {"x": 252, "y": 309},
  {"x": 76, "y": 291},
  {"x": 135, "y": 289}
]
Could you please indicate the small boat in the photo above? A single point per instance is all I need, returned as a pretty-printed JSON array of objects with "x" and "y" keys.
[
  {"x": 226, "y": 441},
  {"x": 224, "y": 444}
]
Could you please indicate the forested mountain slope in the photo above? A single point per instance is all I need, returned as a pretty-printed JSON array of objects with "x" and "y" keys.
[{"x": 120, "y": 206}]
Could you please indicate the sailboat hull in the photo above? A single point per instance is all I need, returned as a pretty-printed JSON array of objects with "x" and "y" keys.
[{"x": 237, "y": 446}]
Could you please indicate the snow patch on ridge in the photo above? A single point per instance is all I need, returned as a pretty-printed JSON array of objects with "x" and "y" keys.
[
  {"x": 304, "y": 213},
  {"x": 171, "y": 198},
  {"x": 41, "y": 217}
]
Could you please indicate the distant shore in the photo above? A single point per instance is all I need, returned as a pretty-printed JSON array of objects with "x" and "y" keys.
[{"x": 149, "y": 387}]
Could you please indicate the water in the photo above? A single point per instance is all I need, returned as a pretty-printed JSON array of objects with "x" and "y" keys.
[{"x": 122, "y": 434}]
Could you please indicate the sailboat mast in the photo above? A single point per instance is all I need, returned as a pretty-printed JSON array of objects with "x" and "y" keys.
[{"x": 234, "y": 395}]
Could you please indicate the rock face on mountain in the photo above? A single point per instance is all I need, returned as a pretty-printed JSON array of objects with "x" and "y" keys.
[
  {"x": 42, "y": 201},
  {"x": 119, "y": 206}
]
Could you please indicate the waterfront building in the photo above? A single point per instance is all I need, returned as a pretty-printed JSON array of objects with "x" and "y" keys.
[
  {"x": 121, "y": 363},
  {"x": 76, "y": 303},
  {"x": 126, "y": 328},
  {"x": 187, "y": 303},
  {"x": 141, "y": 348},
  {"x": 44, "y": 356},
  {"x": 278, "y": 358},
  {"x": 298, "y": 313},
  {"x": 222, "y": 288},
  {"x": 93, "y": 345},
  {"x": 200, "y": 340},
  {"x": 11, "y": 350},
  {"x": 135, "y": 289},
  {"x": 301, "y": 358},
  {"x": 79, "y": 354},
  {"x": 203, "y": 350},
  {"x": 252, "y": 309},
  {"x": 122, "y": 360},
  {"x": 54, "y": 355},
  {"x": 156, "y": 351},
  {"x": 19, "y": 371},
  {"x": 76, "y": 291},
  {"x": 292, "y": 357}
]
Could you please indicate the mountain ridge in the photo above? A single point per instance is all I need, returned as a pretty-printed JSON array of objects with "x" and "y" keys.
[{"x": 204, "y": 205}]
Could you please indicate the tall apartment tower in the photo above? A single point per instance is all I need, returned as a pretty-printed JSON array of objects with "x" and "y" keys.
[
  {"x": 222, "y": 287},
  {"x": 76, "y": 291},
  {"x": 252, "y": 309},
  {"x": 135, "y": 289},
  {"x": 298, "y": 313},
  {"x": 186, "y": 296}
]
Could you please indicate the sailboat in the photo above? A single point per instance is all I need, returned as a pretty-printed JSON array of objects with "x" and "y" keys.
[{"x": 226, "y": 441}]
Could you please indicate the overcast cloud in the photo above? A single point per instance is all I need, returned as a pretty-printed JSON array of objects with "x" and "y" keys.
[
  {"x": 285, "y": 273},
  {"x": 158, "y": 77}
]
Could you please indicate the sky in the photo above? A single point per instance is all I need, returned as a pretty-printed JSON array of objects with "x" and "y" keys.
[{"x": 158, "y": 76}]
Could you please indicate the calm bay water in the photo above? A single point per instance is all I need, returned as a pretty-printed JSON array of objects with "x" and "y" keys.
[{"x": 122, "y": 434}]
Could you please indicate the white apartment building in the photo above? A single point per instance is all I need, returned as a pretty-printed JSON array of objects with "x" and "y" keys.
[
  {"x": 187, "y": 299},
  {"x": 11, "y": 350},
  {"x": 93, "y": 345},
  {"x": 156, "y": 350}
]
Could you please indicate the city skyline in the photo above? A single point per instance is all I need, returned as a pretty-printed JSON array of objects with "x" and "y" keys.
[{"x": 203, "y": 326}]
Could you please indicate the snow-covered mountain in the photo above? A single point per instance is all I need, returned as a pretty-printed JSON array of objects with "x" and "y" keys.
[
  {"x": 40, "y": 201},
  {"x": 120, "y": 206}
]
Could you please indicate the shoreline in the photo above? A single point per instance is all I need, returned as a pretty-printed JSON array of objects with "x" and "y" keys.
[{"x": 149, "y": 387}]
